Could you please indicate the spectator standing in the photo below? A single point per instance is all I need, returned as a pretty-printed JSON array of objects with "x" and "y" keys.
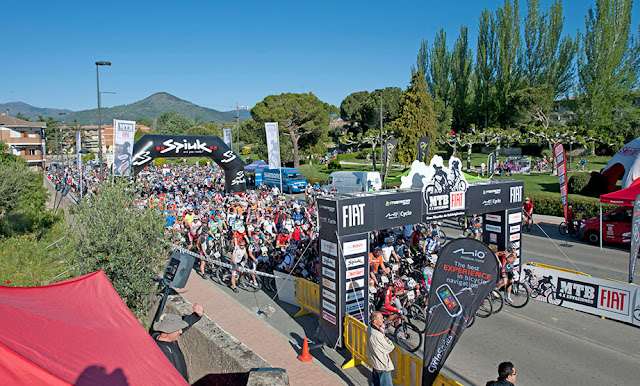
[
  {"x": 378, "y": 349},
  {"x": 506, "y": 375},
  {"x": 167, "y": 332}
]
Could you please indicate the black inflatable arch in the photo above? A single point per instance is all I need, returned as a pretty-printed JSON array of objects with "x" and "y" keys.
[{"x": 150, "y": 147}]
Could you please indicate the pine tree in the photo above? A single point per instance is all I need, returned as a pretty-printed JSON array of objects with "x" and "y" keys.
[{"x": 416, "y": 120}]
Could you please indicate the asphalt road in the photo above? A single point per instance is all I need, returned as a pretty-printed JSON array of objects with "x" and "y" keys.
[{"x": 549, "y": 345}]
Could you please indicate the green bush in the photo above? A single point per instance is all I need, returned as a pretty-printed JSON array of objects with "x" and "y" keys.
[
  {"x": 551, "y": 205},
  {"x": 202, "y": 162},
  {"x": 578, "y": 182},
  {"x": 246, "y": 151},
  {"x": 313, "y": 180},
  {"x": 334, "y": 164},
  {"x": 160, "y": 161},
  {"x": 363, "y": 154}
]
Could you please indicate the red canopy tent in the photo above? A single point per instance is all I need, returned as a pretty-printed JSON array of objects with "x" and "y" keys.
[
  {"x": 77, "y": 331},
  {"x": 624, "y": 197}
]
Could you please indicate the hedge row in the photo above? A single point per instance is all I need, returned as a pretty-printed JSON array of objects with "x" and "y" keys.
[{"x": 552, "y": 205}]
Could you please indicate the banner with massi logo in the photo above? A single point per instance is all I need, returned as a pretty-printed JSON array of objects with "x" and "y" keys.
[
  {"x": 388, "y": 152},
  {"x": 464, "y": 275},
  {"x": 273, "y": 144},
  {"x": 635, "y": 238},
  {"x": 561, "y": 167},
  {"x": 227, "y": 137},
  {"x": 423, "y": 149},
  {"x": 123, "y": 133}
]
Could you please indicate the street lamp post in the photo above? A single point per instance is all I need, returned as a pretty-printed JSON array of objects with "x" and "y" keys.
[
  {"x": 381, "y": 144},
  {"x": 98, "y": 64}
]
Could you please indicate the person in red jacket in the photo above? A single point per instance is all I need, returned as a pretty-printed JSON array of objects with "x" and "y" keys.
[{"x": 392, "y": 307}]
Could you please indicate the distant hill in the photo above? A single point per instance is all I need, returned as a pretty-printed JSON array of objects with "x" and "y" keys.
[
  {"x": 32, "y": 112},
  {"x": 151, "y": 107}
]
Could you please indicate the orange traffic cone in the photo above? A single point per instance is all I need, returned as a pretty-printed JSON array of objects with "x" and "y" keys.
[{"x": 305, "y": 356}]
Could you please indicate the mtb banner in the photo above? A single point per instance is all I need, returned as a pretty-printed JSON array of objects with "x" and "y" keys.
[
  {"x": 464, "y": 276},
  {"x": 388, "y": 152},
  {"x": 635, "y": 238},
  {"x": 561, "y": 167},
  {"x": 423, "y": 149},
  {"x": 124, "y": 132},
  {"x": 491, "y": 165}
]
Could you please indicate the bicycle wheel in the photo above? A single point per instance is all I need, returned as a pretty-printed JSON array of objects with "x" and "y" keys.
[
  {"x": 410, "y": 339},
  {"x": 214, "y": 275},
  {"x": 562, "y": 228},
  {"x": 462, "y": 222},
  {"x": 269, "y": 284},
  {"x": 497, "y": 300},
  {"x": 224, "y": 276},
  {"x": 575, "y": 232},
  {"x": 443, "y": 237},
  {"x": 485, "y": 309},
  {"x": 418, "y": 317},
  {"x": 246, "y": 283},
  {"x": 519, "y": 296},
  {"x": 553, "y": 299},
  {"x": 470, "y": 320},
  {"x": 636, "y": 313},
  {"x": 468, "y": 233}
]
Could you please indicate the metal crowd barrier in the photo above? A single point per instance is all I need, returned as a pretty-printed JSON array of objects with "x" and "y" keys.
[
  {"x": 556, "y": 268},
  {"x": 308, "y": 295},
  {"x": 408, "y": 367}
]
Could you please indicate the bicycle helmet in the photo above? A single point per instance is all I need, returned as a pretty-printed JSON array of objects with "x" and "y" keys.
[
  {"x": 411, "y": 283},
  {"x": 398, "y": 284},
  {"x": 527, "y": 199},
  {"x": 292, "y": 247},
  {"x": 255, "y": 239},
  {"x": 512, "y": 245},
  {"x": 388, "y": 240},
  {"x": 434, "y": 233}
]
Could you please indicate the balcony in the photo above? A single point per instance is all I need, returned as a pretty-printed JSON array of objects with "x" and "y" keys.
[
  {"x": 33, "y": 158},
  {"x": 23, "y": 141}
]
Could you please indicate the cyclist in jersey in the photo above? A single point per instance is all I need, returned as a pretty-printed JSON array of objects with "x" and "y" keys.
[
  {"x": 432, "y": 244},
  {"x": 477, "y": 227},
  {"x": 392, "y": 307},
  {"x": 388, "y": 252},
  {"x": 527, "y": 210},
  {"x": 376, "y": 265},
  {"x": 507, "y": 261},
  {"x": 237, "y": 257}
]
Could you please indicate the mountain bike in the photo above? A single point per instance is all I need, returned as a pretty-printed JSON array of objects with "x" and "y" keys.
[
  {"x": 519, "y": 295},
  {"x": 486, "y": 308},
  {"x": 407, "y": 335},
  {"x": 243, "y": 279}
]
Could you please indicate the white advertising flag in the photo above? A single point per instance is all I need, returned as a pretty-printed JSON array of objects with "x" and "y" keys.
[
  {"x": 273, "y": 144},
  {"x": 123, "y": 133},
  {"x": 227, "y": 138}
]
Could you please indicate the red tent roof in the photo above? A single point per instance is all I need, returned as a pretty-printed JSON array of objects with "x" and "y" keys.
[
  {"x": 77, "y": 331},
  {"x": 625, "y": 197}
]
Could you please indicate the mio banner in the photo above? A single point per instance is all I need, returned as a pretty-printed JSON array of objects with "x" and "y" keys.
[
  {"x": 388, "y": 152},
  {"x": 423, "y": 149},
  {"x": 465, "y": 274}
]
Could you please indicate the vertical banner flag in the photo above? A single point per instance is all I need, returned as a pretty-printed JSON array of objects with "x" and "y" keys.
[
  {"x": 273, "y": 144},
  {"x": 123, "y": 133},
  {"x": 227, "y": 138},
  {"x": 635, "y": 238},
  {"x": 561, "y": 167},
  {"x": 464, "y": 275},
  {"x": 423, "y": 149},
  {"x": 78, "y": 148},
  {"x": 388, "y": 152},
  {"x": 491, "y": 165}
]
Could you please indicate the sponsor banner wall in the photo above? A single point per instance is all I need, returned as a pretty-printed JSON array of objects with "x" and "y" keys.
[
  {"x": 464, "y": 275},
  {"x": 123, "y": 133},
  {"x": 273, "y": 144},
  {"x": 493, "y": 196},
  {"x": 355, "y": 250},
  {"x": 603, "y": 297}
]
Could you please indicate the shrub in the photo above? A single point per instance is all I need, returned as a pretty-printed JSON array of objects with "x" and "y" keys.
[
  {"x": 202, "y": 162},
  {"x": 551, "y": 205},
  {"x": 246, "y": 151},
  {"x": 587, "y": 184},
  {"x": 334, "y": 164},
  {"x": 160, "y": 161},
  {"x": 578, "y": 182},
  {"x": 363, "y": 154}
]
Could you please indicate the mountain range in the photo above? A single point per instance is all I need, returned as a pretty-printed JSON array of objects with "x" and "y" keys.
[{"x": 151, "y": 108}]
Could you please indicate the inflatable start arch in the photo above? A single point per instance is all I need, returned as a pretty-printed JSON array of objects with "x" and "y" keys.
[{"x": 150, "y": 147}]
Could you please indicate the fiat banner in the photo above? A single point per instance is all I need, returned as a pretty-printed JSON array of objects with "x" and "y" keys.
[{"x": 465, "y": 274}]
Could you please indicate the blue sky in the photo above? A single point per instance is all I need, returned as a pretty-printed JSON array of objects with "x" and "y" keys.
[{"x": 218, "y": 53}]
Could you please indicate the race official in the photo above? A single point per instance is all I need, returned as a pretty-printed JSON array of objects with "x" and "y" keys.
[{"x": 378, "y": 349}]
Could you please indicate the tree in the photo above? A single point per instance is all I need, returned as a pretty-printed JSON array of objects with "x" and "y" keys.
[
  {"x": 608, "y": 63},
  {"x": 110, "y": 232},
  {"x": 461, "y": 65},
  {"x": 138, "y": 134},
  {"x": 20, "y": 116},
  {"x": 507, "y": 71},
  {"x": 351, "y": 106},
  {"x": 145, "y": 122},
  {"x": 439, "y": 78},
  {"x": 533, "y": 104},
  {"x": 199, "y": 130},
  {"x": 173, "y": 124},
  {"x": 298, "y": 115},
  {"x": 484, "y": 74},
  {"x": 416, "y": 119}
]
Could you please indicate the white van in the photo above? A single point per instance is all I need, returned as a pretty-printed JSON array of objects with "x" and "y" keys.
[{"x": 353, "y": 182}]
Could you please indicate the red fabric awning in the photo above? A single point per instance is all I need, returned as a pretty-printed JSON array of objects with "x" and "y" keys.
[
  {"x": 77, "y": 331},
  {"x": 624, "y": 197}
]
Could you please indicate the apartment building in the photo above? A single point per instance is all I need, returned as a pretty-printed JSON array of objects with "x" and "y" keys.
[{"x": 24, "y": 139}]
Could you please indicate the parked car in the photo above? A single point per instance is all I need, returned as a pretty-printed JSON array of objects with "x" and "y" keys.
[{"x": 616, "y": 226}]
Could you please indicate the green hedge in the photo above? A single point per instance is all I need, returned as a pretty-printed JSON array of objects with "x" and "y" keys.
[
  {"x": 587, "y": 184},
  {"x": 334, "y": 164},
  {"x": 552, "y": 205}
]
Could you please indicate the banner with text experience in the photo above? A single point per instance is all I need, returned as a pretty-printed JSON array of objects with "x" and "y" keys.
[
  {"x": 465, "y": 274},
  {"x": 561, "y": 166}
]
